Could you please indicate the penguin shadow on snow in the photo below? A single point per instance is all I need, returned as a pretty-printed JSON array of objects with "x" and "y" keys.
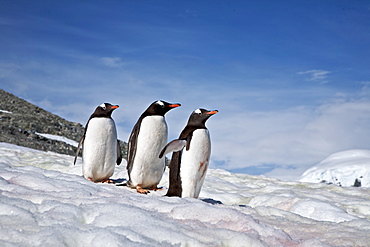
[
  {"x": 211, "y": 201},
  {"x": 119, "y": 181}
]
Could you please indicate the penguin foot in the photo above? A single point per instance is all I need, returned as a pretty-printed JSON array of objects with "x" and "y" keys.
[
  {"x": 109, "y": 181},
  {"x": 155, "y": 188},
  {"x": 141, "y": 190}
]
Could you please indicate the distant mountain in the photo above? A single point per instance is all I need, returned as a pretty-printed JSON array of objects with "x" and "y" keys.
[
  {"x": 347, "y": 168},
  {"x": 21, "y": 122}
]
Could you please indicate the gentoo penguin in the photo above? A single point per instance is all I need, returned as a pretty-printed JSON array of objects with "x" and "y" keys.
[
  {"x": 147, "y": 138},
  {"x": 100, "y": 147},
  {"x": 189, "y": 165}
]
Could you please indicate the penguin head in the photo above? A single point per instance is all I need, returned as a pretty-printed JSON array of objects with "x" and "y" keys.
[
  {"x": 104, "y": 110},
  {"x": 160, "y": 108},
  {"x": 200, "y": 116}
]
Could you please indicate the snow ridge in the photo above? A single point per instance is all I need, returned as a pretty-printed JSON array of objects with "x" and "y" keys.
[{"x": 44, "y": 201}]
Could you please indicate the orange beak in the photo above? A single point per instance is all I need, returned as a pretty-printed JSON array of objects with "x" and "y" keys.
[
  {"x": 212, "y": 112},
  {"x": 114, "y": 106},
  {"x": 174, "y": 105}
]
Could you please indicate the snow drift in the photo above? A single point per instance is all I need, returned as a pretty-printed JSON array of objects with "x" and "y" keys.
[{"x": 45, "y": 201}]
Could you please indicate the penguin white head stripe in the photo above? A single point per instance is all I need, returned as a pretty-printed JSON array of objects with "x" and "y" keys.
[
  {"x": 198, "y": 111},
  {"x": 160, "y": 103}
]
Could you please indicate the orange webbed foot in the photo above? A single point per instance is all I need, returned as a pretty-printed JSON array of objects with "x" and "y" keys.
[
  {"x": 141, "y": 190},
  {"x": 155, "y": 188},
  {"x": 109, "y": 181}
]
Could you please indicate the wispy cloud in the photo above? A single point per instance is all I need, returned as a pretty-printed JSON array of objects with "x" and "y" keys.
[
  {"x": 316, "y": 75},
  {"x": 292, "y": 138},
  {"x": 115, "y": 62}
]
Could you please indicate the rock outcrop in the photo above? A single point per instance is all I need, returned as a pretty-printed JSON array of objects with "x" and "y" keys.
[{"x": 21, "y": 120}]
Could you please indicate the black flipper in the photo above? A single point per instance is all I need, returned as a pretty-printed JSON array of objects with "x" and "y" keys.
[
  {"x": 119, "y": 154},
  {"x": 131, "y": 152},
  {"x": 78, "y": 149}
]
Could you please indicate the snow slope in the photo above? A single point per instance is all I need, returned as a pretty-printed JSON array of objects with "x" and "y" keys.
[
  {"x": 342, "y": 169},
  {"x": 45, "y": 201}
]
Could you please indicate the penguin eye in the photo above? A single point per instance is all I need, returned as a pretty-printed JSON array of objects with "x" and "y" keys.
[
  {"x": 198, "y": 111},
  {"x": 103, "y": 106}
]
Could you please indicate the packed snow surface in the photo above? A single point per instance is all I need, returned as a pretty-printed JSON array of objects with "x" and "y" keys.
[
  {"x": 44, "y": 201},
  {"x": 343, "y": 169},
  {"x": 59, "y": 138}
]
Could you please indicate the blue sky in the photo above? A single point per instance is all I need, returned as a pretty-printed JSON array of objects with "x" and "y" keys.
[{"x": 291, "y": 79}]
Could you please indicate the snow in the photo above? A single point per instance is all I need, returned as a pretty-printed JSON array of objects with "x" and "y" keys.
[
  {"x": 342, "y": 169},
  {"x": 3, "y": 111},
  {"x": 45, "y": 201},
  {"x": 59, "y": 138}
]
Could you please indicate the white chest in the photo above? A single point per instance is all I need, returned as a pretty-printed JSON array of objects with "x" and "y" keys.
[
  {"x": 99, "y": 149},
  {"x": 200, "y": 147},
  {"x": 147, "y": 168},
  {"x": 152, "y": 130},
  {"x": 194, "y": 163},
  {"x": 101, "y": 130}
]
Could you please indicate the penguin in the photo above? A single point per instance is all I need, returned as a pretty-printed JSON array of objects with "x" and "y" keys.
[
  {"x": 100, "y": 147},
  {"x": 190, "y": 158},
  {"x": 147, "y": 138}
]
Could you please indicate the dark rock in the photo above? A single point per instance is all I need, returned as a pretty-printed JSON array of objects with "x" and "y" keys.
[{"x": 357, "y": 183}]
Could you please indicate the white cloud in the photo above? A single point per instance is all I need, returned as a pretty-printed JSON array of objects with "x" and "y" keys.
[
  {"x": 316, "y": 75},
  {"x": 293, "y": 138}
]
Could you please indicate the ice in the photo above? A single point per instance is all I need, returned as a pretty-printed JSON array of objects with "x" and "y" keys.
[{"x": 45, "y": 201}]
